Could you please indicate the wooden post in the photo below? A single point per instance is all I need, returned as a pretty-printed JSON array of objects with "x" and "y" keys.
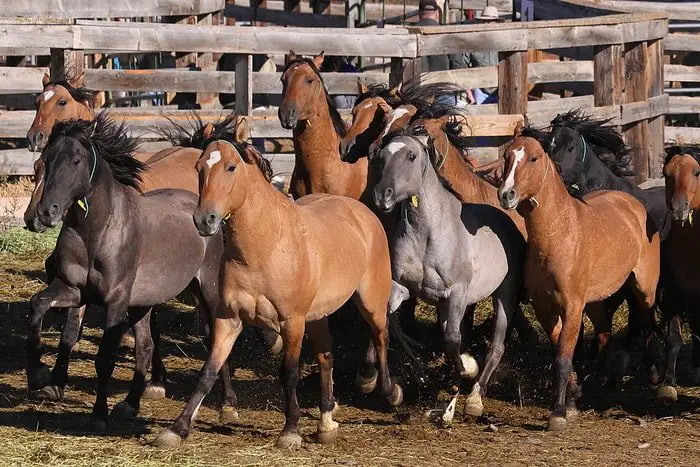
[
  {"x": 608, "y": 75},
  {"x": 321, "y": 7},
  {"x": 637, "y": 133},
  {"x": 292, "y": 5},
  {"x": 395, "y": 72},
  {"x": 512, "y": 82},
  {"x": 411, "y": 72},
  {"x": 655, "y": 83},
  {"x": 244, "y": 84},
  {"x": 66, "y": 63}
]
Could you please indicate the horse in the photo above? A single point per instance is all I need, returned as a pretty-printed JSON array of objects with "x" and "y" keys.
[
  {"x": 117, "y": 247},
  {"x": 449, "y": 253},
  {"x": 289, "y": 271},
  {"x": 565, "y": 266},
  {"x": 590, "y": 155},
  {"x": 681, "y": 172}
]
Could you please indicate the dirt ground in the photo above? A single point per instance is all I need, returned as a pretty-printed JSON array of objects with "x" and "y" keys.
[{"x": 623, "y": 426}]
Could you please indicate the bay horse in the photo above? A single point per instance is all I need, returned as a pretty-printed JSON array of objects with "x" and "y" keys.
[
  {"x": 449, "y": 253},
  {"x": 118, "y": 248},
  {"x": 309, "y": 111},
  {"x": 287, "y": 266},
  {"x": 565, "y": 266},
  {"x": 681, "y": 172}
]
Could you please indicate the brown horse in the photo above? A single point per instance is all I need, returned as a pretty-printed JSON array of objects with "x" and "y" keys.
[
  {"x": 308, "y": 109},
  {"x": 579, "y": 251},
  {"x": 682, "y": 172},
  {"x": 287, "y": 266}
]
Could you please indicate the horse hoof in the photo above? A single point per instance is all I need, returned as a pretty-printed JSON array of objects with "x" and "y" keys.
[
  {"x": 667, "y": 393},
  {"x": 277, "y": 346},
  {"x": 571, "y": 414},
  {"x": 327, "y": 435},
  {"x": 288, "y": 441},
  {"x": 98, "y": 425},
  {"x": 556, "y": 423},
  {"x": 473, "y": 405},
  {"x": 167, "y": 439},
  {"x": 470, "y": 368},
  {"x": 366, "y": 385},
  {"x": 396, "y": 396},
  {"x": 75, "y": 347},
  {"x": 127, "y": 342},
  {"x": 39, "y": 377},
  {"x": 153, "y": 392},
  {"x": 124, "y": 411},
  {"x": 228, "y": 415},
  {"x": 50, "y": 393}
]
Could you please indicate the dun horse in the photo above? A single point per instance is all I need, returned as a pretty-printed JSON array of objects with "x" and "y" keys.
[
  {"x": 579, "y": 251},
  {"x": 118, "y": 248},
  {"x": 287, "y": 266},
  {"x": 449, "y": 253}
]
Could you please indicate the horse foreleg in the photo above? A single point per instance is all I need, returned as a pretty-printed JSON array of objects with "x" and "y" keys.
[
  {"x": 327, "y": 429},
  {"x": 293, "y": 335},
  {"x": 155, "y": 388},
  {"x": 566, "y": 389},
  {"x": 226, "y": 331},
  {"x": 57, "y": 294},
  {"x": 451, "y": 314}
]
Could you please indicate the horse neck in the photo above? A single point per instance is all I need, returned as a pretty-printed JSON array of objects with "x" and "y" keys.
[
  {"x": 259, "y": 223},
  {"x": 434, "y": 201},
  {"x": 554, "y": 215},
  {"x": 464, "y": 181},
  {"x": 600, "y": 176},
  {"x": 315, "y": 139}
]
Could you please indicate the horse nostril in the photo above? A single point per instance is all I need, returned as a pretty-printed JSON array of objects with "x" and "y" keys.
[
  {"x": 388, "y": 193},
  {"x": 40, "y": 137}
]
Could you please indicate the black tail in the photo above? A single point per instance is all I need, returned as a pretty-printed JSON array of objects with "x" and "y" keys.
[{"x": 411, "y": 368}]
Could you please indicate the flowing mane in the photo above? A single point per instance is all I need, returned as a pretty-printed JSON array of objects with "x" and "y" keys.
[
  {"x": 185, "y": 135},
  {"x": 692, "y": 150},
  {"x": 338, "y": 122},
  {"x": 605, "y": 140},
  {"x": 379, "y": 90},
  {"x": 110, "y": 141},
  {"x": 226, "y": 130},
  {"x": 425, "y": 97}
]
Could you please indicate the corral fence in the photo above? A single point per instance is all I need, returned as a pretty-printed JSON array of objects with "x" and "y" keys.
[{"x": 626, "y": 70}]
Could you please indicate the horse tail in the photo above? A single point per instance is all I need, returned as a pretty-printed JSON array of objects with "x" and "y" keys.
[{"x": 411, "y": 367}]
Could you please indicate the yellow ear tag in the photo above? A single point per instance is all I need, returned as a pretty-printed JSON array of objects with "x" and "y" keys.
[
  {"x": 690, "y": 217},
  {"x": 81, "y": 203},
  {"x": 227, "y": 216},
  {"x": 414, "y": 201}
]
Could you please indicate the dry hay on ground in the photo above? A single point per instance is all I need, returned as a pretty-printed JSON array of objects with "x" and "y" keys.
[{"x": 620, "y": 427}]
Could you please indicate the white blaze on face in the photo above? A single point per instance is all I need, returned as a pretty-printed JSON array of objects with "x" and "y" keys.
[
  {"x": 48, "y": 95},
  {"x": 395, "y": 147},
  {"x": 510, "y": 180},
  {"x": 214, "y": 157},
  {"x": 395, "y": 115}
]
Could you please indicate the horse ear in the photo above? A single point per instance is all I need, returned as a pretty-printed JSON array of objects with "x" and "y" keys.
[
  {"x": 291, "y": 56},
  {"x": 208, "y": 130},
  {"x": 518, "y": 129},
  {"x": 318, "y": 60},
  {"x": 394, "y": 92},
  {"x": 242, "y": 130},
  {"x": 78, "y": 82},
  {"x": 45, "y": 80},
  {"x": 430, "y": 99},
  {"x": 361, "y": 87}
]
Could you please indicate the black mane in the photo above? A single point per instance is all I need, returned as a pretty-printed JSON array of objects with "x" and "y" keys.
[
  {"x": 379, "y": 90},
  {"x": 188, "y": 135},
  {"x": 425, "y": 98},
  {"x": 111, "y": 142},
  {"x": 338, "y": 122},
  {"x": 692, "y": 150},
  {"x": 80, "y": 94},
  {"x": 605, "y": 140},
  {"x": 226, "y": 130},
  {"x": 540, "y": 134}
]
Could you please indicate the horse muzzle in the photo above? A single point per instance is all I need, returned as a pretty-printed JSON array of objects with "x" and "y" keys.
[
  {"x": 680, "y": 211},
  {"x": 508, "y": 198},
  {"x": 384, "y": 198},
  {"x": 288, "y": 117},
  {"x": 347, "y": 151},
  {"x": 34, "y": 224},
  {"x": 207, "y": 223},
  {"x": 50, "y": 216},
  {"x": 36, "y": 140}
]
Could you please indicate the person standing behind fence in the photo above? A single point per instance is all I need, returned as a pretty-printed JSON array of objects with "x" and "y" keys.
[{"x": 479, "y": 59}]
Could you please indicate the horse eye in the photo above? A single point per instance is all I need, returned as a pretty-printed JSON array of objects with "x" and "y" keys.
[
  {"x": 534, "y": 159},
  {"x": 697, "y": 173},
  {"x": 76, "y": 161},
  {"x": 231, "y": 168},
  {"x": 62, "y": 102},
  {"x": 411, "y": 157},
  {"x": 309, "y": 80}
]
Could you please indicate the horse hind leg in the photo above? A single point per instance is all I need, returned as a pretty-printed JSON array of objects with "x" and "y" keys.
[
  {"x": 327, "y": 429},
  {"x": 155, "y": 388}
]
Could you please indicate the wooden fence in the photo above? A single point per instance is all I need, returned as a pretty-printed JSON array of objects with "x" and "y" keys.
[{"x": 634, "y": 100}]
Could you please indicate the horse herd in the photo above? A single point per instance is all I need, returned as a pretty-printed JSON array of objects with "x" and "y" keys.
[{"x": 386, "y": 211}]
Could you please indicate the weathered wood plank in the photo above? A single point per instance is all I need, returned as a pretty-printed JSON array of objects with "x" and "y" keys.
[
  {"x": 636, "y": 82},
  {"x": 683, "y": 105},
  {"x": 556, "y": 72},
  {"x": 681, "y": 73},
  {"x": 685, "y": 135},
  {"x": 21, "y": 36},
  {"x": 250, "y": 40},
  {"x": 14, "y": 80},
  {"x": 678, "y": 42},
  {"x": 108, "y": 8},
  {"x": 66, "y": 63},
  {"x": 657, "y": 101},
  {"x": 479, "y": 41},
  {"x": 608, "y": 72},
  {"x": 643, "y": 110},
  {"x": 244, "y": 84},
  {"x": 512, "y": 82}
]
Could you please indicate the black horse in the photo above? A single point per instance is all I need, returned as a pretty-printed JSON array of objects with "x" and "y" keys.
[
  {"x": 591, "y": 155},
  {"x": 117, "y": 248}
]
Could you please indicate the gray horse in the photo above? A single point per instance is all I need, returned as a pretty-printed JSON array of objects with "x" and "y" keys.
[{"x": 449, "y": 253}]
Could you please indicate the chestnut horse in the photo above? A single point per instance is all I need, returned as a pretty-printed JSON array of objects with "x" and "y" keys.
[
  {"x": 682, "y": 172},
  {"x": 287, "y": 266},
  {"x": 309, "y": 111},
  {"x": 579, "y": 251}
]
